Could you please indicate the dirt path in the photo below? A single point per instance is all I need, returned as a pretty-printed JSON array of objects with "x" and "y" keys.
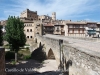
[
  {"x": 32, "y": 67},
  {"x": 49, "y": 65}
]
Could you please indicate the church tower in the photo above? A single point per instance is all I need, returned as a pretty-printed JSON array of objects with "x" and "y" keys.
[{"x": 54, "y": 16}]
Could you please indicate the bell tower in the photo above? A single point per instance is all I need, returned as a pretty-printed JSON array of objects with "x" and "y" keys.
[{"x": 54, "y": 16}]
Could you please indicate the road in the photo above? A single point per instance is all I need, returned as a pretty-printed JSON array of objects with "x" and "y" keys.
[{"x": 86, "y": 44}]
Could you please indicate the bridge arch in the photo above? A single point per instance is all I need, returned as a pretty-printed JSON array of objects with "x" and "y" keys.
[
  {"x": 40, "y": 44},
  {"x": 50, "y": 54}
]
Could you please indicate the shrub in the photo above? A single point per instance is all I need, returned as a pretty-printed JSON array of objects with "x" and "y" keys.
[
  {"x": 27, "y": 48},
  {"x": 27, "y": 45},
  {"x": 26, "y": 57},
  {"x": 13, "y": 62}
]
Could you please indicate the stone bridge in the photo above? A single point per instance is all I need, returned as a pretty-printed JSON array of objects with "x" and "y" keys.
[{"x": 76, "y": 56}]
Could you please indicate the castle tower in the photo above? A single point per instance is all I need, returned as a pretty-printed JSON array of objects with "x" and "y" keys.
[{"x": 54, "y": 16}]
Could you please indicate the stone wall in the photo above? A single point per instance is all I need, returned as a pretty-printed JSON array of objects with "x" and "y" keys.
[
  {"x": 85, "y": 38},
  {"x": 2, "y": 61},
  {"x": 84, "y": 62}
]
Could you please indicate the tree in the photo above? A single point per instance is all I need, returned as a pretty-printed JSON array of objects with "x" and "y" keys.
[
  {"x": 1, "y": 35},
  {"x": 15, "y": 34}
]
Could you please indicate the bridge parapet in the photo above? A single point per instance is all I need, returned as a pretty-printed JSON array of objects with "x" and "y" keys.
[
  {"x": 84, "y": 62},
  {"x": 85, "y": 38}
]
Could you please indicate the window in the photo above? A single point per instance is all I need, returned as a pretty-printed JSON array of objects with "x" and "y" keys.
[
  {"x": 72, "y": 31},
  {"x": 83, "y": 26},
  {"x": 27, "y": 30},
  {"x": 27, "y": 36},
  {"x": 78, "y": 31},
  {"x": 68, "y": 31},
  {"x": 57, "y": 29},
  {"x": 82, "y": 31},
  {"x": 44, "y": 28},
  {"x": 70, "y": 26},
  {"x": 30, "y": 36},
  {"x": 77, "y": 26},
  {"x": 30, "y": 30},
  {"x": 62, "y": 26}
]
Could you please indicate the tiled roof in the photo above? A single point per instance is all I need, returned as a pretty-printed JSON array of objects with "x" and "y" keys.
[
  {"x": 76, "y": 23},
  {"x": 49, "y": 24}
]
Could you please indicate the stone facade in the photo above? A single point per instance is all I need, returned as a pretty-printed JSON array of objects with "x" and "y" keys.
[
  {"x": 2, "y": 61},
  {"x": 44, "y": 17},
  {"x": 59, "y": 29},
  {"x": 54, "y": 16},
  {"x": 29, "y": 30},
  {"x": 32, "y": 15}
]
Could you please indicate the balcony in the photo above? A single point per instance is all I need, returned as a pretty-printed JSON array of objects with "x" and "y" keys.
[
  {"x": 76, "y": 28},
  {"x": 91, "y": 32}
]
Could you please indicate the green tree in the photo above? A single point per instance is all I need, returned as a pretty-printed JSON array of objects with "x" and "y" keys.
[
  {"x": 15, "y": 34},
  {"x": 1, "y": 35}
]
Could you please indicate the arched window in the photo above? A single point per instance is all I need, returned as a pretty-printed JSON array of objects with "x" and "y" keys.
[
  {"x": 27, "y": 36},
  {"x": 31, "y": 37}
]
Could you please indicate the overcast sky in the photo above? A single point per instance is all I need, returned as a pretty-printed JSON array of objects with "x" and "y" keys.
[{"x": 65, "y": 9}]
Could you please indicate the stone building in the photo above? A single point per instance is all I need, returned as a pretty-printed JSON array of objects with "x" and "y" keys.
[
  {"x": 29, "y": 29},
  {"x": 98, "y": 27},
  {"x": 3, "y": 22},
  {"x": 54, "y": 16},
  {"x": 44, "y": 17},
  {"x": 32, "y": 15},
  {"x": 59, "y": 29},
  {"x": 48, "y": 28},
  {"x": 75, "y": 29},
  {"x": 80, "y": 29},
  {"x": 38, "y": 27},
  {"x": 28, "y": 17}
]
